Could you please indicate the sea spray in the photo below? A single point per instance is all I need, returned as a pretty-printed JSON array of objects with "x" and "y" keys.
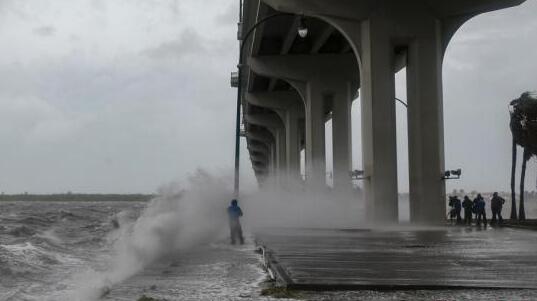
[
  {"x": 296, "y": 207},
  {"x": 177, "y": 220}
]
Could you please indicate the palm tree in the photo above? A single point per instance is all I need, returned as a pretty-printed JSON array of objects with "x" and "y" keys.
[
  {"x": 513, "y": 180},
  {"x": 523, "y": 124}
]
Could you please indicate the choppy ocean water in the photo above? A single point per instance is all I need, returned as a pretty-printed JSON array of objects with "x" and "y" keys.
[
  {"x": 174, "y": 247},
  {"x": 43, "y": 245}
]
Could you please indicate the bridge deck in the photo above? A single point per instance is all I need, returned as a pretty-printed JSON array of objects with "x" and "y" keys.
[{"x": 455, "y": 257}]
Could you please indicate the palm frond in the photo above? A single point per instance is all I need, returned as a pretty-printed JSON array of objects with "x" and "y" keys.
[{"x": 524, "y": 120}]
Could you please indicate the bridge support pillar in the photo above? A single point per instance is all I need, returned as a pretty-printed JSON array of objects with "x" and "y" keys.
[
  {"x": 378, "y": 122},
  {"x": 281, "y": 156},
  {"x": 292, "y": 122},
  {"x": 315, "y": 137},
  {"x": 341, "y": 139},
  {"x": 273, "y": 164},
  {"x": 425, "y": 127}
]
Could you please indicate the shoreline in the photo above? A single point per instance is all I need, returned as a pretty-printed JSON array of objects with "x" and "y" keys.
[{"x": 75, "y": 197}]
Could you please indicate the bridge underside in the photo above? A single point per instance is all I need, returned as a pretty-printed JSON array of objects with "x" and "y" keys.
[{"x": 293, "y": 85}]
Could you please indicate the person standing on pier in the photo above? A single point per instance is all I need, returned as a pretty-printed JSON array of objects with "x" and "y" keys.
[
  {"x": 496, "y": 205},
  {"x": 455, "y": 204},
  {"x": 480, "y": 210},
  {"x": 467, "y": 205},
  {"x": 234, "y": 213},
  {"x": 474, "y": 206}
]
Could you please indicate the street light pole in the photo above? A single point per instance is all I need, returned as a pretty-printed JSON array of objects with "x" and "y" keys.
[{"x": 239, "y": 96}]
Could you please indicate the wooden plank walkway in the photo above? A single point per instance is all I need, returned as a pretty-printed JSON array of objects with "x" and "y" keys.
[{"x": 393, "y": 259}]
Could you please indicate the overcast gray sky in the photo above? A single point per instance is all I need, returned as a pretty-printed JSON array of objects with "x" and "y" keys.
[{"x": 126, "y": 95}]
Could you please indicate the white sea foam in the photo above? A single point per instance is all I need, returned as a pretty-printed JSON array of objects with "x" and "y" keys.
[
  {"x": 20, "y": 249},
  {"x": 51, "y": 236},
  {"x": 26, "y": 253},
  {"x": 179, "y": 219}
]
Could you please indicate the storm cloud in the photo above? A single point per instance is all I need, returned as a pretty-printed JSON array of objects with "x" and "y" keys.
[{"x": 45, "y": 31}]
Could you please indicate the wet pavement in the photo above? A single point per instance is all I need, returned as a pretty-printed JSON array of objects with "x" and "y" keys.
[
  {"x": 405, "y": 258},
  {"x": 450, "y": 262},
  {"x": 217, "y": 271}
]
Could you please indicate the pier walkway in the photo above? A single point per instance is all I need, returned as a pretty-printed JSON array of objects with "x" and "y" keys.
[{"x": 401, "y": 258}]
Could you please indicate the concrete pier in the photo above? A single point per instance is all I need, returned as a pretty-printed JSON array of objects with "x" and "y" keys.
[{"x": 401, "y": 259}]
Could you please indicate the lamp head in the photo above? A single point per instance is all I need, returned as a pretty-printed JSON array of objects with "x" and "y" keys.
[
  {"x": 302, "y": 29},
  {"x": 457, "y": 172}
]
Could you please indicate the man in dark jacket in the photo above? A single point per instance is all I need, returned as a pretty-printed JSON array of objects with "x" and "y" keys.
[
  {"x": 234, "y": 213},
  {"x": 474, "y": 206},
  {"x": 496, "y": 205},
  {"x": 467, "y": 205},
  {"x": 480, "y": 210},
  {"x": 455, "y": 204}
]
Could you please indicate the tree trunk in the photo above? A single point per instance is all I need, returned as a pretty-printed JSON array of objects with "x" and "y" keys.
[
  {"x": 513, "y": 183},
  {"x": 522, "y": 212}
]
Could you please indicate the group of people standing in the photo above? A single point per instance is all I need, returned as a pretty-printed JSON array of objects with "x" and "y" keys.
[{"x": 476, "y": 207}]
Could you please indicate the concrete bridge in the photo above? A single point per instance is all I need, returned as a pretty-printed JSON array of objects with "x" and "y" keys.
[{"x": 293, "y": 85}]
